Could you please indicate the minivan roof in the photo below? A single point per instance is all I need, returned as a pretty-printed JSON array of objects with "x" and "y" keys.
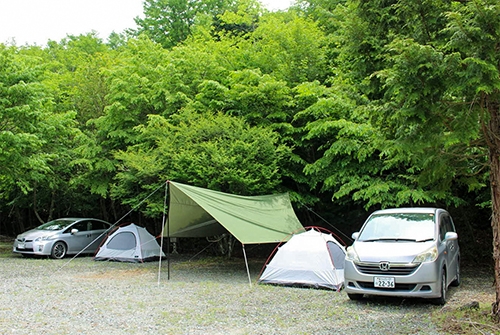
[{"x": 408, "y": 210}]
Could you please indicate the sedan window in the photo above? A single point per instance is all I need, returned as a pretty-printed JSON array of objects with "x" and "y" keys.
[
  {"x": 55, "y": 225},
  {"x": 81, "y": 226},
  {"x": 98, "y": 225}
]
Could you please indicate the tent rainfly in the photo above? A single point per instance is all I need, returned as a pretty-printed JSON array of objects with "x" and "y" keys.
[
  {"x": 309, "y": 259},
  {"x": 200, "y": 212},
  {"x": 129, "y": 243}
]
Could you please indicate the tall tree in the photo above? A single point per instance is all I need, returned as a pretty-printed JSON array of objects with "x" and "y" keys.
[
  {"x": 289, "y": 47},
  {"x": 78, "y": 79},
  {"x": 474, "y": 41},
  {"x": 35, "y": 138},
  {"x": 169, "y": 22},
  {"x": 134, "y": 87},
  {"x": 430, "y": 71},
  {"x": 215, "y": 151}
]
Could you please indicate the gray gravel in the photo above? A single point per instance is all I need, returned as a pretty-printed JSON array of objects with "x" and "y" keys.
[{"x": 208, "y": 296}]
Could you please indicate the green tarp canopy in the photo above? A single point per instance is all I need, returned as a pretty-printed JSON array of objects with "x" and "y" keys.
[{"x": 199, "y": 212}]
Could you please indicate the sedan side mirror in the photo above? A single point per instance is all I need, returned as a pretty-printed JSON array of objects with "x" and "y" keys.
[
  {"x": 355, "y": 235},
  {"x": 74, "y": 231}
]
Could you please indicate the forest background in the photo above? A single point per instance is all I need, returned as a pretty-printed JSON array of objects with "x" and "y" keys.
[{"x": 350, "y": 106}]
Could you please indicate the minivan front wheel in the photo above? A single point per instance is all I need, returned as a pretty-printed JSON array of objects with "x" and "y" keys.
[{"x": 442, "y": 299}]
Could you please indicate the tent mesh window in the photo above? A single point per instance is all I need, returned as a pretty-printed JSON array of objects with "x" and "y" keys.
[
  {"x": 337, "y": 255},
  {"x": 122, "y": 241}
]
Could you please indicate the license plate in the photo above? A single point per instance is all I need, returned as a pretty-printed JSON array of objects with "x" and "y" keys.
[
  {"x": 384, "y": 282},
  {"x": 21, "y": 246}
]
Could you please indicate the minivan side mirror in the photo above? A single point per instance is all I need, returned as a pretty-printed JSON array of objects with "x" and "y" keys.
[
  {"x": 355, "y": 235},
  {"x": 450, "y": 236},
  {"x": 74, "y": 231}
]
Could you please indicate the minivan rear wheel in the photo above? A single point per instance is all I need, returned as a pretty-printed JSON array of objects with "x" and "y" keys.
[{"x": 442, "y": 299}]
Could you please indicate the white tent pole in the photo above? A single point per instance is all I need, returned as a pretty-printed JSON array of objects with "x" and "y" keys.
[
  {"x": 162, "y": 231},
  {"x": 246, "y": 263}
]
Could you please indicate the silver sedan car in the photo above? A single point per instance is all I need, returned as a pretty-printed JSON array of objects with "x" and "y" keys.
[
  {"x": 406, "y": 252},
  {"x": 61, "y": 237}
]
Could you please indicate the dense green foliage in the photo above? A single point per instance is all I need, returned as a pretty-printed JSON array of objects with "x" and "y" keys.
[{"x": 348, "y": 105}]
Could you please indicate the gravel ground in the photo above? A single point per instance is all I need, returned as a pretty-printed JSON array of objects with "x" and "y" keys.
[{"x": 207, "y": 296}]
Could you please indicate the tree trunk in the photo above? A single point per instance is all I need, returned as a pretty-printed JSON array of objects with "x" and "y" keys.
[
  {"x": 495, "y": 225},
  {"x": 493, "y": 139}
]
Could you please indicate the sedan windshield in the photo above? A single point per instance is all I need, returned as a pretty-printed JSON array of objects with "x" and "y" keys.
[
  {"x": 55, "y": 225},
  {"x": 417, "y": 227}
]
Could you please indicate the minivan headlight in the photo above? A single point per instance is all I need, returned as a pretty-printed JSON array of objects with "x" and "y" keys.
[
  {"x": 351, "y": 254},
  {"x": 430, "y": 255}
]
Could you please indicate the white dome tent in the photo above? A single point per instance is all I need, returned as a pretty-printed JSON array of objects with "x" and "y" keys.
[
  {"x": 309, "y": 259},
  {"x": 129, "y": 243}
]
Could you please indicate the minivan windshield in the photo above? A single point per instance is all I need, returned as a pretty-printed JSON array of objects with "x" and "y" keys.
[{"x": 416, "y": 227}]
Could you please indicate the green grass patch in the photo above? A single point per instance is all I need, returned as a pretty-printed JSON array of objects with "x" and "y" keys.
[
  {"x": 6, "y": 247},
  {"x": 467, "y": 321}
]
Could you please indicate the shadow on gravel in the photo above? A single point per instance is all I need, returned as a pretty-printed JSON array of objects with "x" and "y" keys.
[{"x": 395, "y": 301}]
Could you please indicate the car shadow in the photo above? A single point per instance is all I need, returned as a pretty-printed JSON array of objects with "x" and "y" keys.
[{"x": 403, "y": 301}]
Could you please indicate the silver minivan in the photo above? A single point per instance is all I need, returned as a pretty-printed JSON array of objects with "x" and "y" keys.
[{"x": 405, "y": 252}]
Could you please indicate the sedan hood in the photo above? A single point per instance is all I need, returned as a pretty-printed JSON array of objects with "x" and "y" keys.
[
  {"x": 398, "y": 252},
  {"x": 35, "y": 233}
]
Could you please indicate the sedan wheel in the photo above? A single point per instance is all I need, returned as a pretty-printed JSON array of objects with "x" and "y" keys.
[{"x": 58, "y": 250}]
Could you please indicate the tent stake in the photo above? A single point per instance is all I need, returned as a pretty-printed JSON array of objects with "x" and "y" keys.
[{"x": 246, "y": 263}]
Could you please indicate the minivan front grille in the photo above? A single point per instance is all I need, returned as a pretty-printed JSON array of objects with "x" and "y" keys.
[{"x": 395, "y": 269}]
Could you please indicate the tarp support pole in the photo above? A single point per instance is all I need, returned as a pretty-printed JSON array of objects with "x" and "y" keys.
[
  {"x": 246, "y": 263},
  {"x": 168, "y": 233},
  {"x": 162, "y": 234}
]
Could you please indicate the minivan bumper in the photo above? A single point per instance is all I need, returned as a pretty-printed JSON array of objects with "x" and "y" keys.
[{"x": 422, "y": 282}]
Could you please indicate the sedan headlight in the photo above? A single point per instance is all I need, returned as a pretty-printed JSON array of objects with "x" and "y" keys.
[
  {"x": 351, "y": 254},
  {"x": 430, "y": 255}
]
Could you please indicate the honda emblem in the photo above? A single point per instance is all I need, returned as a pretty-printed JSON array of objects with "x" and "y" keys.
[{"x": 384, "y": 266}]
